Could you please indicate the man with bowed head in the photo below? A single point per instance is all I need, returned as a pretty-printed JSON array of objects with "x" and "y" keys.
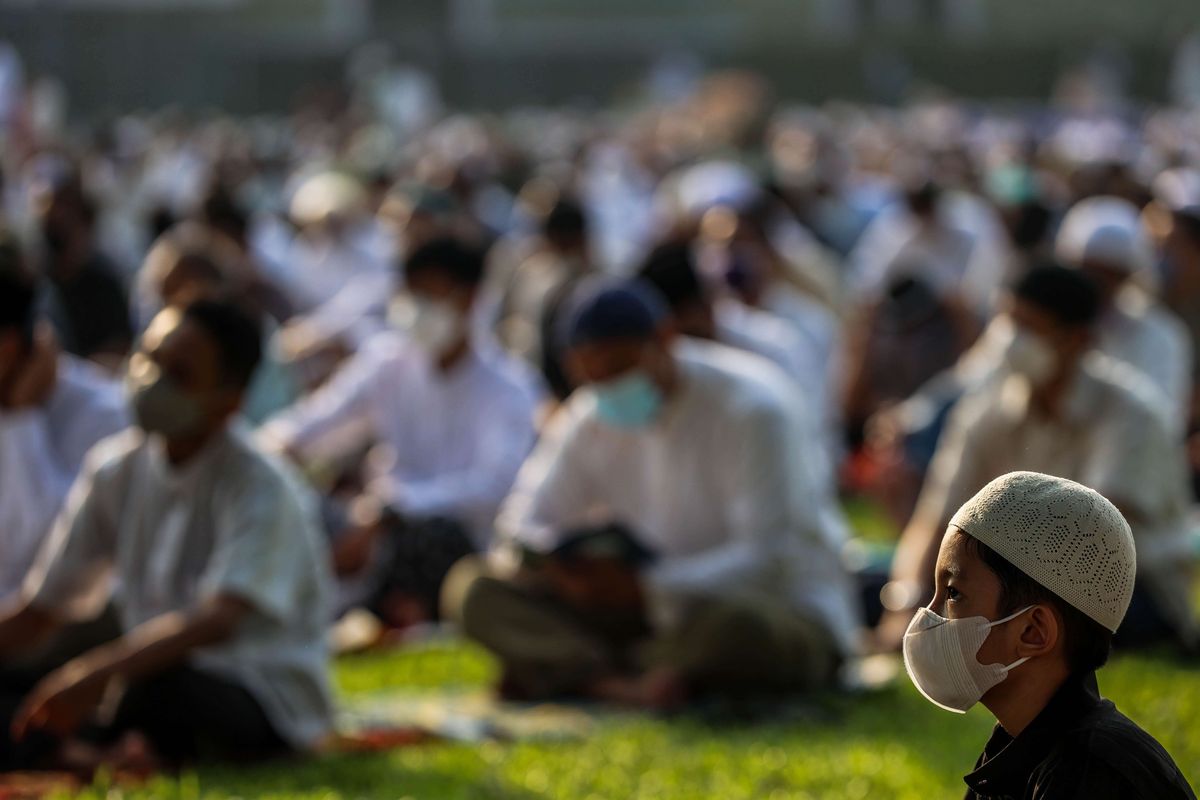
[
  {"x": 667, "y": 529},
  {"x": 1033, "y": 577},
  {"x": 210, "y": 553}
]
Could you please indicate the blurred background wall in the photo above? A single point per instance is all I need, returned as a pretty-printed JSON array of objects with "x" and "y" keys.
[{"x": 259, "y": 54}]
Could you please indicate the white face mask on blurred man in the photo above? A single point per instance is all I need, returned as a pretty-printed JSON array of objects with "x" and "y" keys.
[
  {"x": 435, "y": 326},
  {"x": 1028, "y": 355}
]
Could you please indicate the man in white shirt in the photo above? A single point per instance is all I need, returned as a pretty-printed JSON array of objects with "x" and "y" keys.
[
  {"x": 336, "y": 271},
  {"x": 211, "y": 554},
  {"x": 697, "y": 312},
  {"x": 453, "y": 419},
  {"x": 1104, "y": 237},
  {"x": 53, "y": 408},
  {"x": 699, "y": 455},
  {"x": 1063, "y": 408}
]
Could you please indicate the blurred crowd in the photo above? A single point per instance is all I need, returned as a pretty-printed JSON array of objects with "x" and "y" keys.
[{"x": 591, "y": 385}]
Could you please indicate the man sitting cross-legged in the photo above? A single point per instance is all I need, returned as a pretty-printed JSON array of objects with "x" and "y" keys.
[{"x": 670, "y": 532}]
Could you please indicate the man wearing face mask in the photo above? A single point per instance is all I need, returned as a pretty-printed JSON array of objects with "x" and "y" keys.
[
  {"x": 1065, "y": 409},
  {"x": 452, "y": 419},
  {"x": 1104, "y": 238},
  {"x": 210, "y": 553},
  {"x": 1033, "y": 577},
  {"x": 700, "y": 454}
]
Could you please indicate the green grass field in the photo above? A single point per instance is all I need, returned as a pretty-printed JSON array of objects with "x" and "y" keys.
[{"x": 890, "y": 743}]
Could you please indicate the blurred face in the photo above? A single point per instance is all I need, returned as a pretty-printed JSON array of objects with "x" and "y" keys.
[
  {"x": 609, "y": 361},
  {"x": 175, "y": 380},
  {"x": 12, "y": 352},
  {"x": 433, "y": 311},
  {"x": 630, "y": 378},
  {"x": 1056, "y": 348},
  {"x": 437, "y": 287},
  {"x": 59, "y": 221}
]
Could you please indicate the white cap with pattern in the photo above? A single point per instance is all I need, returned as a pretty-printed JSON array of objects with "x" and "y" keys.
[{"x": 1065, "y": 536}]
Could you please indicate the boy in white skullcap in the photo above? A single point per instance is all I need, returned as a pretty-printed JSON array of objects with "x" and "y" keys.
[{"x": 1033, "y": 577}]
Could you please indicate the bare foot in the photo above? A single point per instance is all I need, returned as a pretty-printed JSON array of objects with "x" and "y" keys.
[
  {"x": 661, "y": 689},
  {"x": 134, "y": 755}
]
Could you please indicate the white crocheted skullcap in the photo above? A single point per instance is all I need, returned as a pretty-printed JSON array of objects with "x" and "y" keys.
[{"x": 1065, "y": 536}]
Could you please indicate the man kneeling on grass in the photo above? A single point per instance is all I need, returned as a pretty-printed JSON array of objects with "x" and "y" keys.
[
  {"x": 210, "y": 554},
  {"x": 1033, "y": 577},
  {"x": 674, "y": 539}
]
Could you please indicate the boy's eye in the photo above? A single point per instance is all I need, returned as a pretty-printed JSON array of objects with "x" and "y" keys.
[{"x": 952, "y": 593}]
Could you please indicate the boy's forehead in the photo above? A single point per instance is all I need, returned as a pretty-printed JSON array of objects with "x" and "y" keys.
[{"x": 954, "y": 556}]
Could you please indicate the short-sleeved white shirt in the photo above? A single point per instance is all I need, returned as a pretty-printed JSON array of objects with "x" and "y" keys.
[{"x": 230, "y": 521}]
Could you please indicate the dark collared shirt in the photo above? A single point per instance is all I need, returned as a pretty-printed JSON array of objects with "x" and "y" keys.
[{"x": 1080, "y": 746}]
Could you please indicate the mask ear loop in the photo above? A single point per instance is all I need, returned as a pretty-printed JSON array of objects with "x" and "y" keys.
[{"x": 1009, "y": 618}]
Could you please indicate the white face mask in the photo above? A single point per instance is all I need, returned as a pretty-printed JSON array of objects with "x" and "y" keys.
[
  {"x": 1027, "y": 355},
  {"x": 432, "y": 325},
  {"x": 940, "y": 655}
]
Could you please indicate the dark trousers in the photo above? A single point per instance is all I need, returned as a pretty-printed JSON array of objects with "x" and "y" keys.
[
  {"x": 189, "y": 715},
  {"x": 419, "y": 554},
  {"x": 186, "y": 714}
]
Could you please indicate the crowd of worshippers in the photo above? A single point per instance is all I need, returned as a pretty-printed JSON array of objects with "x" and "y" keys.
[{"x": 590, "y": 390}]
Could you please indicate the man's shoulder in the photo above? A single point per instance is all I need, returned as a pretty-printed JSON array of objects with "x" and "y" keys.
[
  {"x": 246, "y": 463},
  {"x": 505, "y": 374},
  {"x": 741, "y": 383},
  {"x": 1128, "y": 392},
  {"x": 997, "y": 401},
  {"x": 112, "y": 455},
  {"x": 1148, "y": 313}
]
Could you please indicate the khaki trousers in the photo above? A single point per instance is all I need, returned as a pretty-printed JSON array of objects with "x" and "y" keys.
[{"x": 720, "y": 646}]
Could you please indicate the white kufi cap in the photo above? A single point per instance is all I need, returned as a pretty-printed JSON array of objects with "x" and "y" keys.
[{"x": 1065, "y": 536}]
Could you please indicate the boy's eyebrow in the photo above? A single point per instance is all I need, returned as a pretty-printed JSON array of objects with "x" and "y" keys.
[{"x": 949, "y": 572}]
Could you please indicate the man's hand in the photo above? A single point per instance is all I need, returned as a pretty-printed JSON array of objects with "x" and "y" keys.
[
  {"x": 595, "y": 583},
  {"x": 661, "y": 689},
  {"x": 352, "y": 550},
  {"x": 61, "y": 701}
]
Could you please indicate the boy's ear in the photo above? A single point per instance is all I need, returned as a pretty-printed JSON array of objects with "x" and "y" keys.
[{"x": 1040, "y": 630}]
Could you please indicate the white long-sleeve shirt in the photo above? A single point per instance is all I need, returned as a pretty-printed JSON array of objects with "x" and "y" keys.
[
  {"x": 41, "y": 451},
  {"x": 456, "y": 439},
  {"x": 718, "y": 487},
  {"x": 775, "y": 339},
  {"x": 1152, "y": 340}
]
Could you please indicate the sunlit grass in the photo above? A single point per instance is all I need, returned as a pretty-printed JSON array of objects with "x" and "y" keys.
[{"x": 886, "y": 744}]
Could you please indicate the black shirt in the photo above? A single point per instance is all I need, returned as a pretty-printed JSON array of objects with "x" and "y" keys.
[{"x": 1080, "y": 746}]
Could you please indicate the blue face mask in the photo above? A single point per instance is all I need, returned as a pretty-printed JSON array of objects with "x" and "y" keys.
[{"x": 630, "y": 402}]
